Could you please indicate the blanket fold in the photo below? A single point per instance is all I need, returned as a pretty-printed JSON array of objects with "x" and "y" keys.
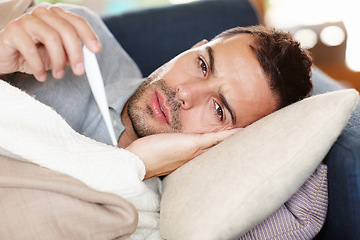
[
  {"x": 32, "y": 132},
  {"x": 38, "y": 203}
]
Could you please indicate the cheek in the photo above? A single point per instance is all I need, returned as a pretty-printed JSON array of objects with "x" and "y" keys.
[
  {"x": 182, "y": 70},
  {"x": 191, "y": 121},
  {"x": 199, "y": 121}
]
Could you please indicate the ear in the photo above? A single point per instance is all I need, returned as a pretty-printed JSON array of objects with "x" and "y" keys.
[{"x": 202, "y": 42}]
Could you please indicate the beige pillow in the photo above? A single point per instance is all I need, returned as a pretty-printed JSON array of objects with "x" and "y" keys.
[{"x": 237, "y": 184}]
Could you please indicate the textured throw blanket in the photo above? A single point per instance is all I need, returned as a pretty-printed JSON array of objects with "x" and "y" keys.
[{"x": 33, "y": 132}]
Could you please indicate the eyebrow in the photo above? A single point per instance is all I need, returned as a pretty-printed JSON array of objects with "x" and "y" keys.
[
  {"x": 222, "y": 97},
  {"x": 211, "y": 59},
  {"x": 227, "y": 106}
]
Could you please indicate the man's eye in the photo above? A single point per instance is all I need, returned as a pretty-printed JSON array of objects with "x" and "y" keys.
[
  {"x": 219, "y": 111},
  {"x": 203, "y": 66}
]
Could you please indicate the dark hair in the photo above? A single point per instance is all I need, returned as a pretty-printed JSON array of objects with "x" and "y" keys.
[{"x": 286, "y": 65}]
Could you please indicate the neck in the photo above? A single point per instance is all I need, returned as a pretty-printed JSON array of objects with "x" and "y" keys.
[{"x": 128, "y": 135}]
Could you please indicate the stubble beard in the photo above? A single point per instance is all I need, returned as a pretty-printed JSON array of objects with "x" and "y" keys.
[{"x": 139, "y": 109}]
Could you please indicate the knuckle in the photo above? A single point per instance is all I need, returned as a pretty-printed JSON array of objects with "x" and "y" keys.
[
  {"x": 39, "y": 10},
  {"x": 52, "y": 37},
  {"x": 79, "y": 21},
  {"x": 68, "y": 29},
  {"x": 67, "y": 14},
  {"x": 55, "y": 8},
  {"x": 31, "y": 51},
  {"x": 14, "y": 26},
  {"x": 78, "y": 18},
  {"x": 18, "y": 23}
]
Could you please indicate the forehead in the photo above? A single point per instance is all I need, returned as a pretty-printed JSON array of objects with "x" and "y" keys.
[
  {"x": 244, "y": 82},
  {"x": 236, "y": 52}
]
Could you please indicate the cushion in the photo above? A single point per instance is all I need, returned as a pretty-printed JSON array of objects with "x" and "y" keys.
[{"x": 237, "y": 184}]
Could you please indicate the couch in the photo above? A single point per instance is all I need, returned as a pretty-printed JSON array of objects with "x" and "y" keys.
[
  {"x": 37, "y": 202},
  {"x": 166, "y": 31}
]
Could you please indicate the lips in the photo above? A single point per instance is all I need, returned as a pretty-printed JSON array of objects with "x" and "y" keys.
[{"x": 158, "y": 106}]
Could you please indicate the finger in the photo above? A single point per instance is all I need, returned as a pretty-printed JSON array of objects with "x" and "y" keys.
[
  {"x": 208, "y": 140},
  {"x": 23, "y": 43},
  {"x": 32, "y": 58},
  {"x": 83, "y": 32},
  {"x": 62, "y": 42},
  {"x": 49, "y": 34}
]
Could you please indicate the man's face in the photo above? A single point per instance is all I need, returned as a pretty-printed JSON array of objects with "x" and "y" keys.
[{"x": 213, "y": 86}]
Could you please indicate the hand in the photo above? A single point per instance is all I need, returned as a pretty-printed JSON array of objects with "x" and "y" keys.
[
  {"x": 46, "y": 38},
  {"x": 164, "y": 153}
]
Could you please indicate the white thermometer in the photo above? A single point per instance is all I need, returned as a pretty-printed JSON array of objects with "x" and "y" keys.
[{"x": 96, "y": 83}]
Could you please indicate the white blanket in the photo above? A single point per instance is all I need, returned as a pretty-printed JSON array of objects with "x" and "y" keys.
[{"x": 33, "y": 132}]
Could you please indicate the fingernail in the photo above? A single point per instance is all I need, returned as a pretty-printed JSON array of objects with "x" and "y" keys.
[
  {"x": 79, "y": 69},
  {"x": 95, "y": 45},
  {"x": 59, "y": 74},
  {"x": 42, "y": 78}
]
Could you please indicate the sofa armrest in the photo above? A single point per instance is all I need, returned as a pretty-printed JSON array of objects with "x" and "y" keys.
[{"x": 343, "y": 161}]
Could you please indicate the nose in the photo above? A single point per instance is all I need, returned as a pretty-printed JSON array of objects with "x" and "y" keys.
[{"x": 190, "y": 94}]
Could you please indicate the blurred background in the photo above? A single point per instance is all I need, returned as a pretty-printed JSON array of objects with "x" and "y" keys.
[{"x": 328, "y": 28}]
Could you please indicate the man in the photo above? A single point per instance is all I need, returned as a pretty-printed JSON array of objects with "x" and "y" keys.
[{"x": 191, "y": 103}]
